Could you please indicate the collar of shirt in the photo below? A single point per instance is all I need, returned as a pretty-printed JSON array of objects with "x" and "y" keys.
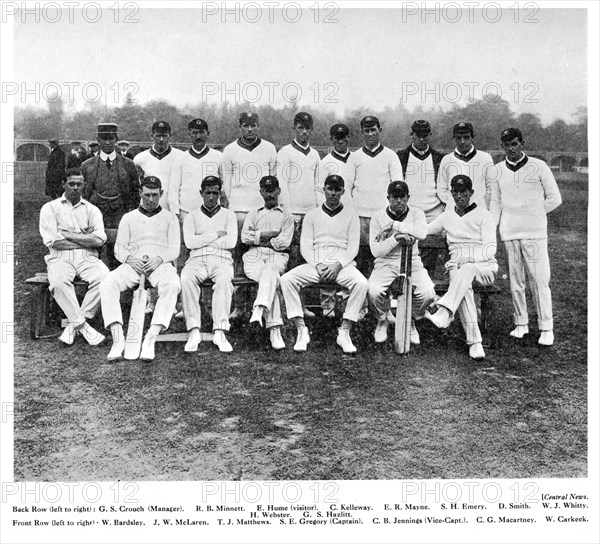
[
  {"x": 418, "y": 151},
  {"x": 397, "y": 217},
  {"x": 104, "y": 156},
  {"x": 147, "y": 213},
  {"x": 465, "y": 154},
  {"x": 278, "y": 207},
  {"x": 301, "y": 148},
  {"x": 339, "y": 157},
  {"x": 517, "y": 162},
  {"x": 64, "y": 199},
  {"x": 468, "y": 209},
  {"x": 212, "y": 212}
]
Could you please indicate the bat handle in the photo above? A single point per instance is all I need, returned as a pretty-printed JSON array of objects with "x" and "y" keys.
[{"x": 145, "y": 258}]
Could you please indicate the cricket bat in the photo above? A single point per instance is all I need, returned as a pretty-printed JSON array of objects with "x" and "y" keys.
[
  {"x": 404, "y": 303},
  {"x": 135, "y": 328}
]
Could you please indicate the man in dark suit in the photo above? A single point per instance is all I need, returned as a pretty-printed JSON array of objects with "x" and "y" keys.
[
  {"x": 111, "y": 184},
  {"x": 55, "y": 171}
]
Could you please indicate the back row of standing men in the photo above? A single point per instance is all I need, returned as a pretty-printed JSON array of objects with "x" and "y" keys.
[{"x": 519, "y": 191}]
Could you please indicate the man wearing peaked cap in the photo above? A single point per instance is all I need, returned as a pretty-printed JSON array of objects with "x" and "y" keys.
[
  {"x": 123, "y": 146},
  {"x": 329, "y": 244},
  {"x": 336, "y": 162},
  {"x": 161, "y": 160},
  {"x": 391, "y": 228},
  {"x": 268, "y": 231},
  {"x": 524, "y": 192},
  {"x": 471, "y": 233},
  {"x": 111, "y": 184},
  {"x": 467, "y": 160}
]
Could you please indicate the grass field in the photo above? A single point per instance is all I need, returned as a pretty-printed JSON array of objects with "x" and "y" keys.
[{"x": 257, "y": 414}]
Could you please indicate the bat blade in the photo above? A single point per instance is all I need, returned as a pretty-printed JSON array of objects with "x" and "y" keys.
[
  {"x": 135, "y": 328},
  {"x": 408, "y": 314},
  {"x": 400, "y": 329}
]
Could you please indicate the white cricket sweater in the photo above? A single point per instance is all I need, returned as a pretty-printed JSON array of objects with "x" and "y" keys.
[
  {"x": 156, "y": 236},
  {"x": 472, "y": 236},
  {"x": 388, "y": 249},
  {"x": 334, "y": 163},
  {"x": 370, "y": 174},
  {"x": 297, "y": 170},
  {"x": 521, "y": 199},
  {"x": 478, "y": 165},
  {"x": 184, "y": 193},
  {"x": 165, "y": 167},
  {"x": 200, "y": 229},
  {"x": 243, "y": 166},
  {"x": 330, "y": 237},
  {"x": 277, "y": 219},
  {"x": 420, "y": 178}
]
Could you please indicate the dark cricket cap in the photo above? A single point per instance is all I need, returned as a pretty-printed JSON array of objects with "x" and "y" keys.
[
  {"x": 106, "y": 129},
  {"x": 154, "y": 180},
  {"x": 304, "y": 119},
  {"x": 122, "y": 142},
  {"x": 53, "y": 141},
  {"x": 462, "y": 127},
  {"x": 248, "y": 117},
  {"x": 211, "y": 180},
  {"x": 369, "y": 121},
  {"x": 421, "y": 126},
  {"x": 509, "y": 134},
  {"x": 398, "y": 188},
  {"x": 94, "y": 144},
  {"x": 198, "y": 123},
  {"x": 339, "y": 131},
  {"x": 162, "y": 127},
  {"x": 461, "y": 183},
  {"x": 269, "y": 183},
  {"x": 333, "y": 180}
]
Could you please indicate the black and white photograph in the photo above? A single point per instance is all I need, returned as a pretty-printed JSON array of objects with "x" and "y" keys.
[{"x": 318, "y": 266}]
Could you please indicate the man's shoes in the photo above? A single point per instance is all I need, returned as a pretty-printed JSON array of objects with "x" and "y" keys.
[
  {"x": 221, "y": 341},
  {"x": 148, "y": 347},
  {"x": 441, "y": 318},
  {"x": 381, "y": 331},
  {"x": 68, "y": 335},
  {"x": 476, "y": 351},
  {"x": 519, "y": 331},
  {"x": 415, "y": 339},
  {"x": 302, "y": 340},
  {"x": 344, "y": 341},
  {"x": 116, "y": 351},
  {"x": 193, "y": 341},
  {"x": 546, "y": 338},
  {"x": 257, "y": 315},
  {"x": 276, "y": 339},
  {"x": 91, "y": 335}
]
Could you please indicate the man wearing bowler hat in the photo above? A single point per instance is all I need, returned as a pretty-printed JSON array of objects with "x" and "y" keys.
[
  {"x": 55, "y": 170},
  {"x": 111, "y": 184},
  {"x": 161, "y": 160},
  {"x": 467, "y": 160}
]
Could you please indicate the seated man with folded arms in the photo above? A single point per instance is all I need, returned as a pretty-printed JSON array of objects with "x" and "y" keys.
[
  {"x": 147, "y": 243},
  {"x": 471, "y": 235},
  {"x": 73, "y": 230},
  {"x": 269, "y": 231},
  {"x": 390, "y": 229},
  {"x": 329, "y": 244},
  {"x": 210, "y": 233}
]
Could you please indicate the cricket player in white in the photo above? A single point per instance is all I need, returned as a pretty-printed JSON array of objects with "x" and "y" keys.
[
  {"x": 268, "y": 231},
  {"x": 150, "y": 231},
  {"x": 73, "y": 230},
  {"x": 524, "y": 192},
  {"x": 471, "y": 233},
  {"x": 336, "y": 162},
  {"x": 329, "y": 244},
  {"x": 390, "y": 229},
  {"x": 210, "y": 233}
]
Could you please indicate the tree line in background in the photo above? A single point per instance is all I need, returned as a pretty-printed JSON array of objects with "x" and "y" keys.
[{"x": 489, "y": 116}]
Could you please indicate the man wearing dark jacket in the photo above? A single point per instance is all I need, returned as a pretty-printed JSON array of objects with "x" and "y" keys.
[
  {"x": 55, "y": 171},
  {"x": 111, "y": 184}
]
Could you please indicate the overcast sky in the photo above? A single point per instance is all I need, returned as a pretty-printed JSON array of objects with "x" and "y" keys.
[{"x": 366, "y": 57}]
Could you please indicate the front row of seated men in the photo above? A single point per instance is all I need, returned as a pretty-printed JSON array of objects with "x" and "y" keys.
[{"x": 148, "y": 243}]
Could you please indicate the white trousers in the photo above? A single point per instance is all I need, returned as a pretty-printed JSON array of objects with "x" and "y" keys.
[
  {"x": 266, "y": 269},
  {"x": 530, "y": 257},
  {"x": 62, "y": 270},
  {"x": 306, "y": 274},
  {"x": 164, "y": 278},
  {"x": 459, "y": 296},
  {"x": 383, "y": 276},
  {"x": 195, "y": 271}
]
